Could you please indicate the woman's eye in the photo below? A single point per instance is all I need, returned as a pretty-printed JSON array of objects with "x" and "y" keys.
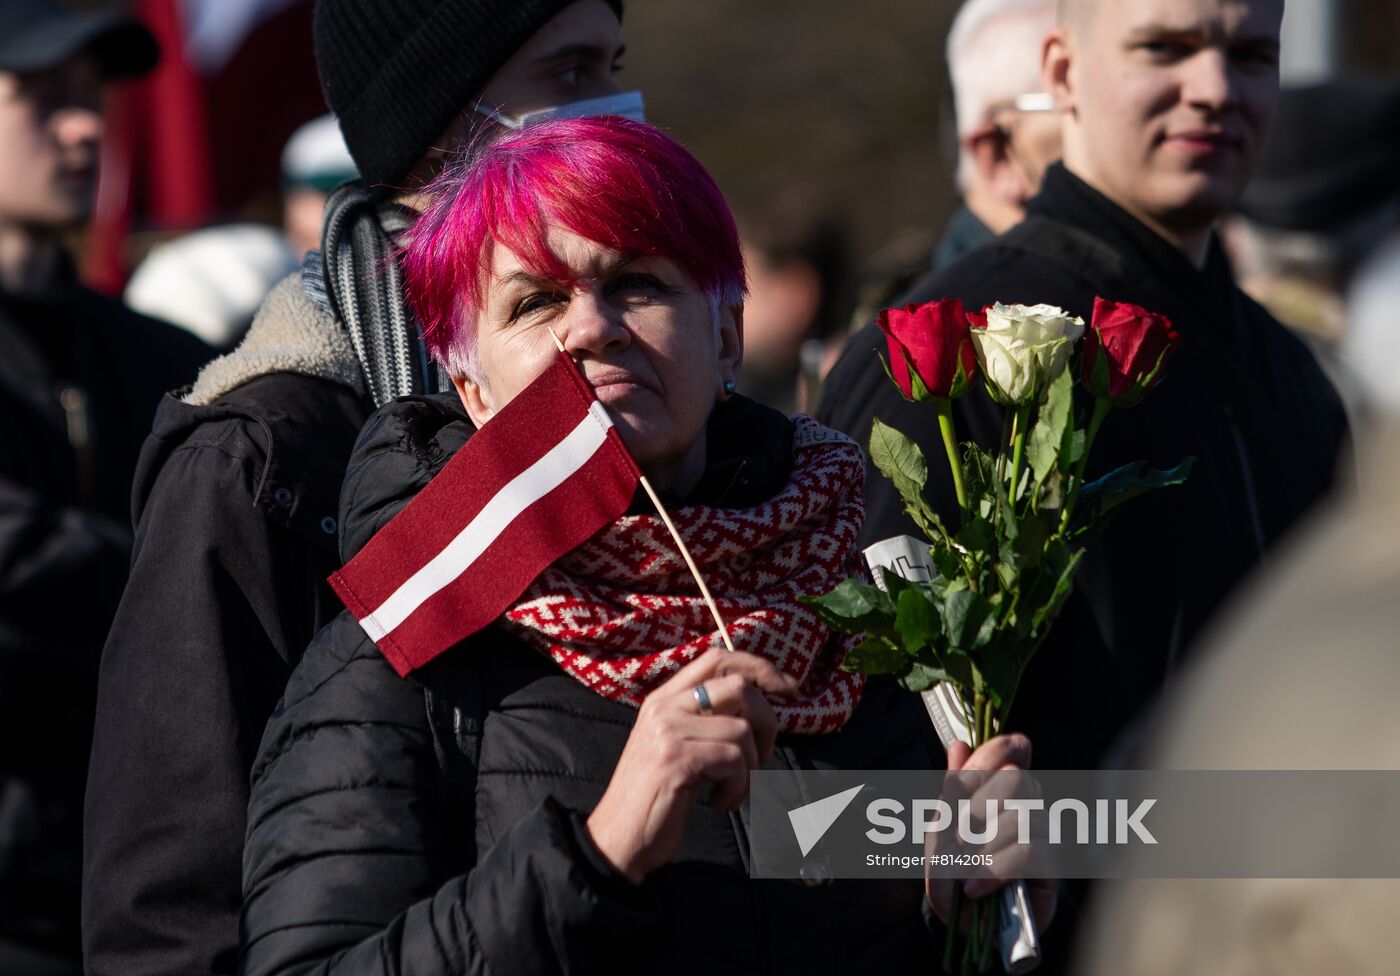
[
  {"x": 533, "y": 303},
  {"x": 637, "y": 281}
]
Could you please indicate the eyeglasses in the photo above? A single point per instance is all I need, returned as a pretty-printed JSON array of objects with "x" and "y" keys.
[{"x": 1028, "y": 102}]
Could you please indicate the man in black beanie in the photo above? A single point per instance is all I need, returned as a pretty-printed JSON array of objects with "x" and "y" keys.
[{"x": 236, "y": 497}]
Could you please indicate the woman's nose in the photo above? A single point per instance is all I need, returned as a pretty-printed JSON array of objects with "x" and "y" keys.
[{"x": 593, "y": 326}]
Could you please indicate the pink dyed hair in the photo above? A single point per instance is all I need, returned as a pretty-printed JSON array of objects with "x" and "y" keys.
[{"x": 621, "y": 184}]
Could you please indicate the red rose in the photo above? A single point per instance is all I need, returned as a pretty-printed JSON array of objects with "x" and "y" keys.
[
  {"x": 931, "y": 352},
  {"x": 1134, "y": 343}
]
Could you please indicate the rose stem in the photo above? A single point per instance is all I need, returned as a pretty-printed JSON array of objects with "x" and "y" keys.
[
  {"x": 1019, "y": 419},
  {"x": 985, "y": 964},
  {"x": 950, "y": 946},
  {"x": 950, "y": 444},
  {"x": 970, "y": 946},
  {"x": 1101, "y": 407}
]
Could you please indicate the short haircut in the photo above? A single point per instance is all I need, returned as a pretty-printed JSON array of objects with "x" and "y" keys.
[
  {"x": 621, "y": 184},
  {"x": 993, "y": 55}
]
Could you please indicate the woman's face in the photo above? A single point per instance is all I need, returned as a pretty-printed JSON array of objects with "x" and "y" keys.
[{"x": 641, "y": 332}]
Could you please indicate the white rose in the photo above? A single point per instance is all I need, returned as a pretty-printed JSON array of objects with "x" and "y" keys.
[{"x": 1025, "y": 348}]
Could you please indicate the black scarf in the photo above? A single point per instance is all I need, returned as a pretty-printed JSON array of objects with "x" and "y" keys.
[{"x": 363, "y": 286}]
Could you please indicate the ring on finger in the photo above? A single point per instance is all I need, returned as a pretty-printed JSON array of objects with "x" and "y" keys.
[{"x": 702, "y": 700}]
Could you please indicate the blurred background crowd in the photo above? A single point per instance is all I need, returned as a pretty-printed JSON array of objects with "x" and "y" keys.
[{"x": 829, "y": 126}]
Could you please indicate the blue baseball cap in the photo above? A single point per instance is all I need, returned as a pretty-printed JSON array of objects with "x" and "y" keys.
[{"x": 38, "y": 34}]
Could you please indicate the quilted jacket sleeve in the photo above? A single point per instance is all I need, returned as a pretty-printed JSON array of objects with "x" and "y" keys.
[{"x": 348, "y": 866}]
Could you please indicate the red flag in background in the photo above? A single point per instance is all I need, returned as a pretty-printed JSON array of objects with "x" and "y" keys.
[
  {"x": 200, "y": 140},
  {"x": 540, "y": 478}
]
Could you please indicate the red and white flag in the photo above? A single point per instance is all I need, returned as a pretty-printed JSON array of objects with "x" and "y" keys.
[{"x": 545, "y": 474}]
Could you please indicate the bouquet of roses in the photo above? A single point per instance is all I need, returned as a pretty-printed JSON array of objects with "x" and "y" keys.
[{"x": 1001, "y": 569}]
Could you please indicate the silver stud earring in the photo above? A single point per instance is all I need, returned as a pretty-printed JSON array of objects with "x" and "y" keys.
[{"x": 729, "y": 387}]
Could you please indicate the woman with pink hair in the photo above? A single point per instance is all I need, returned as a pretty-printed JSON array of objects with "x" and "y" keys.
[{"x": 565, "y": 791}]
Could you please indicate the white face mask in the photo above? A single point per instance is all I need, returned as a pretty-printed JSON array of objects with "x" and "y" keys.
[{"x": 627, "y": 104}]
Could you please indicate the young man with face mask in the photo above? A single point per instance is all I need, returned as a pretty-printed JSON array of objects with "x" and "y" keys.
[
  {"x": 236, "y": 498},
  {"x": 80, "y": 377},
  {"x": 1163, "y": 106}
]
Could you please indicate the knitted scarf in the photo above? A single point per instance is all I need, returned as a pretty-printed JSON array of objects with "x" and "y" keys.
[
  {"x": 621, "y": 613},
  {"x": 364, "y": 289}
]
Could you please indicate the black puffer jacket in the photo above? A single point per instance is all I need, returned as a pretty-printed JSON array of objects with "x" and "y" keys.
[{"x": 435, "y": 825}]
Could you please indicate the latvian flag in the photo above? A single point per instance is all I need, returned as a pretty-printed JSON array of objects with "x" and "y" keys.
[{"x": 546, "y": 473}]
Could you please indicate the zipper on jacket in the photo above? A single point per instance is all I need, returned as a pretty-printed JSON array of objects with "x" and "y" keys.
[
  {"x": 74, "y": 402},
  {"x": 1251, "y": 500}
]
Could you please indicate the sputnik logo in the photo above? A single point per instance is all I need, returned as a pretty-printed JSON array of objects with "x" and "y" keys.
[{"x": 811, "y": 821}]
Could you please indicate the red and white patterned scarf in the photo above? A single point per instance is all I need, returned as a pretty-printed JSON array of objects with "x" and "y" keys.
[{"x": 621, "y": 613}]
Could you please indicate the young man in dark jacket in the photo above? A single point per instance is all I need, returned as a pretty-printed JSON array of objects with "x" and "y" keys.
[
  {"x": 1164, "y": 105},
  {"x": 236, "y": 497},
  {"x": 80, "y": 377}
]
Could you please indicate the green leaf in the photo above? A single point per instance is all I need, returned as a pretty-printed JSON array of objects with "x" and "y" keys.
[
  {"x": 1046, "y": 442},
  {"x": 1007, "y": 571},
  {"x": 988, "y": 631},
  {"x": 916, "y": 619},
  {"x": 875, "y": 655},
  {"x": 923, "y": 676},
  {"x": 899, "y": 459},
  {"x": 1049, "y": 609},
  {"x": 1098, "y": 498},
  {"x": 1010, "y": 524},
  {"x": 1052, "y": 494},
  {"x": 1001, "y": 669},
  {"x": 964, "y": 612},
  {"x": 1076, "y": 442},
  {"x": 1033, "y": 532},
  {"x": 978, "y": 535},
  {"x": 854, "y": 607},
  {"x": 958, "y": 667},
  {"x": 979, "y": 471},
  {"x": 946, "y": 561}
]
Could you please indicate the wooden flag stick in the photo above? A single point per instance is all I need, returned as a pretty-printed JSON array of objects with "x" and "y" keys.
[
  {"x": 680, "y": 543},
  {"x": 694, "y": 570}
]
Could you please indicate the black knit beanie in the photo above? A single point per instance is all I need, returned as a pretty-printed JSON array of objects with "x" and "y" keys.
[{"x": 396, "y": 72}]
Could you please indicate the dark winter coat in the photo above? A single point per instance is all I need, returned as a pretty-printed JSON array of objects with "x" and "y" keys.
[
  {"x": 80, "y": 377},
  {"x": 1243, "y": 396},
  {"x": 435, "y": 824},
  {"x": 235, "y": 506}
]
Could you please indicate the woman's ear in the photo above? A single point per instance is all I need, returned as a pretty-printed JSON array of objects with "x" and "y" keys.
[
  {"x": 476, "y": 399},
  {"x": 730, "y": 347}
]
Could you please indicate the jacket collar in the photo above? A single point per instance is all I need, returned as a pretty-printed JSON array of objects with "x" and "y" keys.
[
  {"x": 1067, "y": 199},
  {"x": 307, "y": 428}
]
